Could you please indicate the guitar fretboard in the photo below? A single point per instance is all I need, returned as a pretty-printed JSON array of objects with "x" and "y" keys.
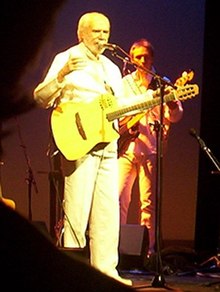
[{"x": 139, "y": 107}]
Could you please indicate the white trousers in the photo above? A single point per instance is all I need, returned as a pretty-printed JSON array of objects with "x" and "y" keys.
[
  {"x": 91, "y": 202},
  {"x": 145, "y": 170}
]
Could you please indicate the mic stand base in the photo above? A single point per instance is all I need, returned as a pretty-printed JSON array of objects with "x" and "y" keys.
[{"x": 158, "y": 281}]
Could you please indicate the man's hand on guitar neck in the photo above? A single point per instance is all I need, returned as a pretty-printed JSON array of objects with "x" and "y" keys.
[{"x": 172, "y": 104}]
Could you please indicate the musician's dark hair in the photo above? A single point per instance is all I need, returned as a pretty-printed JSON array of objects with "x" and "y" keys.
[{"x": 142, "y": 43}]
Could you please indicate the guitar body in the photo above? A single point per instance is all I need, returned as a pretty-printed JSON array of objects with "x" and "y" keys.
[{"x": 78, "y": 127}]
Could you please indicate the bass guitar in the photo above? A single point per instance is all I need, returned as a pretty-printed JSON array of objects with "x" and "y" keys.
[{"x": 128, "y": 126}]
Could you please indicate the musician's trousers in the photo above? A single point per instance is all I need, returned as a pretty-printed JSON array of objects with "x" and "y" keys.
[
  {"x": 91, "y": 202},
  {"x": 130, "y": 168}
]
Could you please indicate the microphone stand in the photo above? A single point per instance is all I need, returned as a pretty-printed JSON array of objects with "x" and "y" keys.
[
  {"x": 216, "y": 163},
  {"x": 30, "y": 179},
  {"x": 209, "y": 153},
  {"x": 113, "y": 50},
  {"x": 159, "y": 279}
]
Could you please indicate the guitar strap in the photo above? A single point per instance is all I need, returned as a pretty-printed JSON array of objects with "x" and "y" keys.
[{"x": 109, "y": 88}]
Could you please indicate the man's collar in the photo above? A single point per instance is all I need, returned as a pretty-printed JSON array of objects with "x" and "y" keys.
[{"x": 88, "y": 53}]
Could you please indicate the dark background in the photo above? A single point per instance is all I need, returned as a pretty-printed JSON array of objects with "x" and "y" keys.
[
  {"x": 184, "y": 37},
  {"x": 208, "y": 200}
]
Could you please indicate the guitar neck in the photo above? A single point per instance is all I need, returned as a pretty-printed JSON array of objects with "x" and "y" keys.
[{"x": 140, "y": 107}]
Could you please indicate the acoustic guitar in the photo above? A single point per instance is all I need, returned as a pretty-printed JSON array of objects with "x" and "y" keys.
[{"x": 78, "y": 127}]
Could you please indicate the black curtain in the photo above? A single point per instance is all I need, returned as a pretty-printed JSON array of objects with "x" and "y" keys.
[{"x": 207, "y": 233}]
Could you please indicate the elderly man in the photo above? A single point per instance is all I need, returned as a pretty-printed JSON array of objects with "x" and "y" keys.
[{"x": 74, "y": 80}]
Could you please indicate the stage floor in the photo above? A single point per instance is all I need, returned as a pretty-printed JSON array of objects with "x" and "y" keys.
[
  {"x": 146, "y": 281},
  {"x": 178, "y": 268},
  {"x": 182, "y": 272}
]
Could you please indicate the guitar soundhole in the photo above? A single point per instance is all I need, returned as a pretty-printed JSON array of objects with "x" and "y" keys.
[{"x": 80, "y": 127}]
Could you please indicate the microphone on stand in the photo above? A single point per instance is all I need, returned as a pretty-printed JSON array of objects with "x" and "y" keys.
[
  {"x": 193, "y": 133},
  {"x": 110, "y": 47}
]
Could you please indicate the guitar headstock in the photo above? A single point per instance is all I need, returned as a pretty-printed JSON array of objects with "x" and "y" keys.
[
  {"x": 185, "y": 77},
  {"x": 186, "y": 92}
]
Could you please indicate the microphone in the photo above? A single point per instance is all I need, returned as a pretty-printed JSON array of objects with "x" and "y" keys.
[
  {"x": 166, "y": 79},
  {"x": 110, "y": 47},
  {"x": 193, "y": 133},
  {"x": 205, "y": 148}
]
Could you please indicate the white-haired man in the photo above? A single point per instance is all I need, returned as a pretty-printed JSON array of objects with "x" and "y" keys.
[{"x": 91, "y": 200}]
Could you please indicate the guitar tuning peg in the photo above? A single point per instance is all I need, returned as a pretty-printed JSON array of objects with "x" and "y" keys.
[{"x": 190, "y": 73}]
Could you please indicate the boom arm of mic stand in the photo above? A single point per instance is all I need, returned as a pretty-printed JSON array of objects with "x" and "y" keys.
[
  {"x": 205, "y": 149},
  {"x": 211, "y": 156},
  {"x": 136, "y": 66}
]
